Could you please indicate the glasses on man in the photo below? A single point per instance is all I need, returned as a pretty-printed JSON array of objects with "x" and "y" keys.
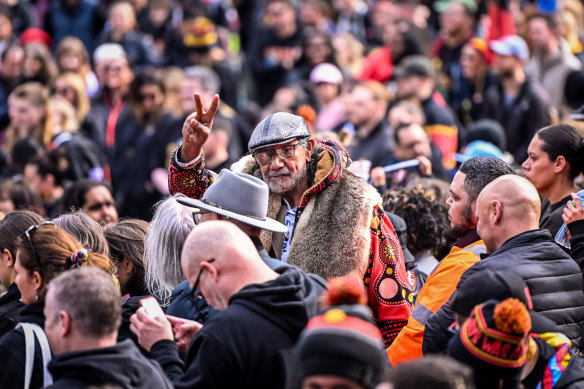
[
  {"x": 284, "y": 152},
  {"x": 197, "y": 215},
  {"x": 27, "y": 233},
  {"x": 195, "y": 292}
]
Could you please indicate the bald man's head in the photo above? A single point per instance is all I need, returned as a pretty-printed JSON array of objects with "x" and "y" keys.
[
  {"x": 216, "y": 239},
  {"x": 506, "y": 207}
]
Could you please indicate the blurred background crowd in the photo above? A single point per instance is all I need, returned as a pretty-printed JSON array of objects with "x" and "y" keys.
[{"x": 100, "y": 90}]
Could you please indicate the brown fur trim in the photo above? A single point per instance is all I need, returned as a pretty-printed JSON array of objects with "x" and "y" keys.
[{"x": 332, "y": 237}]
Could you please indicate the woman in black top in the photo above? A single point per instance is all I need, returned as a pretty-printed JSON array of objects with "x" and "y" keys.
[
  {"x": 555, "y": 159},
  {"x": 11, "y": 228}
]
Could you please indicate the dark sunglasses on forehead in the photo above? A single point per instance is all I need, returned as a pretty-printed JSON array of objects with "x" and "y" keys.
[
  {"x": 284, "y": 152},
  {"x": 195, "y": 292},
  {"x": 27, "y": 233}
]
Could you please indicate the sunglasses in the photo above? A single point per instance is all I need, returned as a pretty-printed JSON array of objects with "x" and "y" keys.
[
  {"x": 284, "y": 152},
  {"x": 27, "y": 233},
  {"x": 195, "y": 292}
]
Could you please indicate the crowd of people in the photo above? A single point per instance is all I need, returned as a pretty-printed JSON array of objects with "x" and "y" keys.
[{"x": 292, "y": 194}]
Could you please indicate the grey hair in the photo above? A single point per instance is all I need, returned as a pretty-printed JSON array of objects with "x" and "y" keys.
[
  {"x": 86, "y": 230},
  {"x": 171, "y": 224},
  {"x": 206, "y": 75}
]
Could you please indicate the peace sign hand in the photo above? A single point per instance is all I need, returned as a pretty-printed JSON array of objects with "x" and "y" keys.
[{"x": 197, "y": 128}]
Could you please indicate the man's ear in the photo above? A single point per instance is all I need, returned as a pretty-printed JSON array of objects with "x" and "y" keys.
[
  {"x": 497, "y": 211},
  {"x": 473, "y": 212},
  {"x": 64, "y": 323},
  {"x": 309, "y": 149}
]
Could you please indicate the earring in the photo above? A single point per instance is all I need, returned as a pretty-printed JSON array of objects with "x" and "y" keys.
[{"x": 36, "y": 296}]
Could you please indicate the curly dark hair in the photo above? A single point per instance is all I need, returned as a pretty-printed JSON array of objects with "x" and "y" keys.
[{"x": 425, "y": 215}]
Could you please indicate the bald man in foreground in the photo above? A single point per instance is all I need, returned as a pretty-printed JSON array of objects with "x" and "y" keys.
[
  {"x": 508, "y": 222},
  {"x": 263, "y": 313}
]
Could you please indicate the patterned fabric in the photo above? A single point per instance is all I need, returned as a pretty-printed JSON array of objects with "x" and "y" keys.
[
  {"x": 555, "y": 368},
  {"x": 559, "y": 362},
  {"x": 389, "y": 291},
  {"x": 386, "y": 279}
]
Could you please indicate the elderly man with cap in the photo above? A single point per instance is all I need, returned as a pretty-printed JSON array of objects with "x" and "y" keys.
[{"x": 335, "y": 224}]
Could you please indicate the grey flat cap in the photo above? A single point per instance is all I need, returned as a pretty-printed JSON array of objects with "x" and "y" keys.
[{"x": 278, "y": 128}]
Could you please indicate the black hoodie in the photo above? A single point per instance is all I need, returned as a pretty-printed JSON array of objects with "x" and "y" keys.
[
  {"x": 243, "y": 346},
  {"x": 122, "y": 365}
]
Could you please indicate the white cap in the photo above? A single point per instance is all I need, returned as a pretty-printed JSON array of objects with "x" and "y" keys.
[
  {"x": 326, "y": 72},
  {"x": 108, "y": 51}
]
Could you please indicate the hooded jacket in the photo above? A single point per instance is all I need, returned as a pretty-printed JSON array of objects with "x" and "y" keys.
[
  {"x": 340, "y": 228},
  {"x": 244, "y": 345},
  {"x": 554, "y": 280},
  {"x": 122, "y": 365}
]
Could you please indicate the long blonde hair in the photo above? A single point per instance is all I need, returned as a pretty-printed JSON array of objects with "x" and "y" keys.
[
  {"x": 38, "y": 96},
  {"x": 77, "y": 83}
]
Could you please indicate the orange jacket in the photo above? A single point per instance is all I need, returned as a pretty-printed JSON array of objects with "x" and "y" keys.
[{"x": 438, "y": 288}]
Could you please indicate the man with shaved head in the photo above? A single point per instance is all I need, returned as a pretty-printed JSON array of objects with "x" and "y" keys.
[
  {"x": 508, "y": 222},
  {"x": 263, "y": 313}
]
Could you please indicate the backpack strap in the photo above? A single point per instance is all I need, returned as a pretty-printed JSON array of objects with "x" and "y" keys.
[{"x": 31, "y": 331}]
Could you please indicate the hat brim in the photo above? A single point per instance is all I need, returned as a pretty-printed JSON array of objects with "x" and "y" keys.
[
  {"x": 277, "y": 143},
  {"x": 267, "y": 224},
  {"x": 501, "y": 48}
]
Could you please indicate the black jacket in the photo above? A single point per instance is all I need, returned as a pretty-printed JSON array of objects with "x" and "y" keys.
[
  {"x": 13, "y": 354},
  {"x": 10, "y": 306},
  {"x": 554, "y": 280},
  {"x": 243, "y": 345},
  {"x": 551, "y": 214},
  {"x": 122, "y": 365}
]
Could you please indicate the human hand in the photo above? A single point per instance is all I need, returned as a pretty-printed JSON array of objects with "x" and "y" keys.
[
  {"x": 150, "y": 330},
  {"x": 573, "y": 210},
  {"x": 184, "y": 331},
  {"x": 377, "y": 176},
  {"x": 425, "y": 166},
  {"x": 197, "y": 128}
]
